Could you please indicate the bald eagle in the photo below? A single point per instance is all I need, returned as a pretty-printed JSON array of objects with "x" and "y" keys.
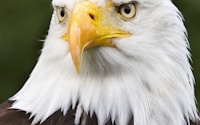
[{"x": 109, "y": 62}]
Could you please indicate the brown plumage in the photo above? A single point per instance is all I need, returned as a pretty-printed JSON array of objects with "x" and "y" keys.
[{"x": 17, "y": 117}]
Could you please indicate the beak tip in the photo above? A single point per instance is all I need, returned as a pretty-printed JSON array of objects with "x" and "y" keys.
[
  {"x": 78, "y": 69},
  {"x": 77, "y": 66}
]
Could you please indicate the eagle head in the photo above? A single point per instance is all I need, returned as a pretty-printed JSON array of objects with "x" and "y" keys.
[{"x": 117, "y": 59}]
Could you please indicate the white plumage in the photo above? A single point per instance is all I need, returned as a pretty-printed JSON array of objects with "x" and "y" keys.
[{"x": 147, "y": 76}]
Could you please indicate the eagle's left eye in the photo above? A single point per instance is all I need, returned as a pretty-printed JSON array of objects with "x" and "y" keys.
[
  {"x": 61, "y": 13},
  {"x": 127, "y": 10}
]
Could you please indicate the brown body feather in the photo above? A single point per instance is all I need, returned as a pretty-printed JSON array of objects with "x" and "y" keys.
[{"x": 17, "y": 117}]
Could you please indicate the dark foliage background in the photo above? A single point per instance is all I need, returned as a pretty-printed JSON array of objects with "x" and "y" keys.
[{"x": 24, "y": 23}]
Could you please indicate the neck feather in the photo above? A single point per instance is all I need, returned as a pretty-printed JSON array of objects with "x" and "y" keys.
[{"x": 119, "y": 90}]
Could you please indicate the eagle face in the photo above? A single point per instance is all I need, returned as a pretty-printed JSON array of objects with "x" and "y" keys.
[
  {"x": 118, "y": 59},
  {"x": 133, "y": 31}
]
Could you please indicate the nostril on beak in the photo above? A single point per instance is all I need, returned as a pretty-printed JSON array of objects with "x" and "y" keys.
[{"x": 92, "y": 16}]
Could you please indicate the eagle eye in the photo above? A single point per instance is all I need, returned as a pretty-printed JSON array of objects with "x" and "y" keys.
[
  {"x": 127, "y": 10},
  {"x": 61, "y": 13}
]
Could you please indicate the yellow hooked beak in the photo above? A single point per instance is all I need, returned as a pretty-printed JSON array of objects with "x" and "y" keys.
[{"x": 88, "y": 28}]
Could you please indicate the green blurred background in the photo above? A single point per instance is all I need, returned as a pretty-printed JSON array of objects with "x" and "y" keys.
[{"x": 23, "y": 24}]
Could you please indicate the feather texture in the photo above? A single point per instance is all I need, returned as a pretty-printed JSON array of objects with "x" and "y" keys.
[
  {"x": 17, "y": 117},
  {"x": 147, "y": 77}
]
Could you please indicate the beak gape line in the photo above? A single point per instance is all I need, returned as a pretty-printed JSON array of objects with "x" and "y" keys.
[{"x": 86, "y": 30}]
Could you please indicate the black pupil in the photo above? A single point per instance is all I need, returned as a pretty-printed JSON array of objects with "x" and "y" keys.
[
  {"x": 127, "y": 9},
  {"x": 62, "y": 13}
]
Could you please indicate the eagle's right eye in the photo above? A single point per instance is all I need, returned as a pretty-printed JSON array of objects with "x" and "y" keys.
[{"x": 61, "y": 13}]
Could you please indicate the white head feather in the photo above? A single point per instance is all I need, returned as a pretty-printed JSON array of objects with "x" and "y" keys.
[{"x": 148, "y": 77}]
